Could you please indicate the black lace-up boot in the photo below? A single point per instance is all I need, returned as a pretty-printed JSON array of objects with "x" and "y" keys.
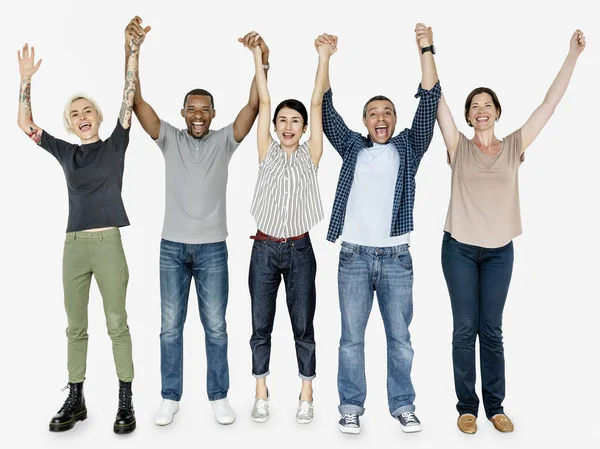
[
  {"x": 73, "y": 409},
  {"x": 125, "y": 420}
]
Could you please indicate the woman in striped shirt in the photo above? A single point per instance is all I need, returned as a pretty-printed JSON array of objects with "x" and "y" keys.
[{"x": 286, "y": 206}]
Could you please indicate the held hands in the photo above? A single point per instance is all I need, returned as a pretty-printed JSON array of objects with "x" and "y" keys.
[
  {"x": 27, "y": 68},
  {"x": 326, "y": 44},
  {"x": 256, "y": 44},
  {"x": 577, "y": 43},
  {"x": 423, "y": 36},
  {"x": 135, "y": 34}
]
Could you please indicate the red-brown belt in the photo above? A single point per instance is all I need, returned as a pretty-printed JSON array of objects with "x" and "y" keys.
[{"x": 262, "y": 236}]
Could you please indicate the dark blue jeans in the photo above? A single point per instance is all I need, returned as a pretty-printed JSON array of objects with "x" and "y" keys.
[
  {"x": 207, "y": 264},
  {"x": 478, "y": 280},
  {"x": 295, "y": 261}
]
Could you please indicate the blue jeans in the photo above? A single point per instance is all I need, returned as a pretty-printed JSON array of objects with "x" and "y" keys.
[
  {"x": 295, "y": 261},
  {"x": 362, "y": 271},
  {"x": 478, "y": 280},
  {"x": 207, "y": 264}
]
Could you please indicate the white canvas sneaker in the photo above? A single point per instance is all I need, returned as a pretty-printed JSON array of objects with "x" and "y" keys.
[
  {"x": 166, "y": 411},
  {"x": 224, "y": 414}
]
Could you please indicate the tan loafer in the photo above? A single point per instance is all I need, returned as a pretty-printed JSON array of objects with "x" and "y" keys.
[
  {"x": 467, "y": 423},
  {"x": 502, "y": 423}
]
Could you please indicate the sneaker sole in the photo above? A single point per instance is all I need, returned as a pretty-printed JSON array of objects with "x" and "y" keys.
[
  {"x": 411, "y": 429},
  {"x": 260, "y": 420},
  {"x": 304, "y": 421},
  {"x": 351, "y": 430},
  {"x": 54, "y": 427},
  {"x": 225, "y": 423}
]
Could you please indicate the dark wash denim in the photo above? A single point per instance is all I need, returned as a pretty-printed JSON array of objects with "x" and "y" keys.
[
  {"x": 362, "y": 271},
  {"x": 478, "y": 280},
  {"x": 207, "y": 264},
  {"x": 296, "y": 263}
]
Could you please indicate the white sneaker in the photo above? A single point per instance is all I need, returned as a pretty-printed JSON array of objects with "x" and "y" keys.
[
  {"x": 305, "y": 413},
  {"x": 224, "y": 414},
  {"x": 166, "y": 411},
  {"x": 260, "y": 411}
]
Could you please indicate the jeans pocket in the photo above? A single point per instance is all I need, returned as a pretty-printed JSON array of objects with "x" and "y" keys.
[
  {"x": 302, "y": 246},
  {"x": 346, "y": 255},
  {"x": 404, "y": 260}
]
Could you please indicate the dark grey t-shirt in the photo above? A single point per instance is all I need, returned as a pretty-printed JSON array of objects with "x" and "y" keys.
[{"x": 94, "y": 174}]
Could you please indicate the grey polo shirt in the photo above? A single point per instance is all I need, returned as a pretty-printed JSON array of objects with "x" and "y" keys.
[{"x": 195, "y": 183}]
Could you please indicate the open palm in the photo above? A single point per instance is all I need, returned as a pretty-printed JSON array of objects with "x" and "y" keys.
[{"x": 27, "y": 66}]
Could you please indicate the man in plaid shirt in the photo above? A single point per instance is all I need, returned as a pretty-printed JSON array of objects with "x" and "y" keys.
[{"x": 372, "y": 212}]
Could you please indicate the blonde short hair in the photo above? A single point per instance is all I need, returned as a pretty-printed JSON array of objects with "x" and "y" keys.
[{"x": 67, "y": 110}]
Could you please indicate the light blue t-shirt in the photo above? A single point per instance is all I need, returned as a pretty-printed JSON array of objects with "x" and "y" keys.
[{"x": 370, "y": 205}]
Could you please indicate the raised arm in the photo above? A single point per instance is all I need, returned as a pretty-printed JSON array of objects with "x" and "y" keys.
[
  {"x": 424, "y": 38},
  {"x": 245, "y": 118},
  {"x": 334, "y": 128},
  {"x": 448, "y": 127},
  {"x": 429, "y": 92},
  {"x": 27, "y": 68},
  {"x": 263, "y": 100},
  {"x": 143, "y": 111},
  {"x": 326, "y": 45},
  {"x": 542, "y": 114},
  {"x": 132, "y": 43}
]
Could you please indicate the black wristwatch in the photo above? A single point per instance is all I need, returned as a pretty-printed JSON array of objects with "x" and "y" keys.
[{"x": 431, "y": 48}]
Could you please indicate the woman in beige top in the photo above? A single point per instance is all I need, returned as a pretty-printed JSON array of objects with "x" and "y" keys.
[{"x": 477, "y": 251}]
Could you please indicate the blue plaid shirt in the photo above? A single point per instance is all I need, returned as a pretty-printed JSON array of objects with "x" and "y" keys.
[{"x": 411, "y": 145}]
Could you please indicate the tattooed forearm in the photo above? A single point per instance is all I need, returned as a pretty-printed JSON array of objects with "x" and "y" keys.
[
  {"x": 26, "y": 95},
  {"x": 25, "y": 114},
  {"x": 129, "y": 88}
]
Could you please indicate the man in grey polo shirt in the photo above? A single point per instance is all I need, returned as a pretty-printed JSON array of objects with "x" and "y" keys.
[{"x": 193, "y": 236}]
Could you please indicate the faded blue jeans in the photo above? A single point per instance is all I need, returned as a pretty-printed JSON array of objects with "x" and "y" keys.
[
  {"x": 207, "y": 264},
  {"x": 364, "y": 270}
]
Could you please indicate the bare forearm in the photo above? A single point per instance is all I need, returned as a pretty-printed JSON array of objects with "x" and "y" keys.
[
  {"x": 429, "y": 75},
  {"x": 321, "y": 81},
  {"x": 561, "y": 82},
  {"x": 260, "y": 81}
]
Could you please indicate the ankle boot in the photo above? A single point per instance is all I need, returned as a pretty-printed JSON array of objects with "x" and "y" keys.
[
  {"x": 73, "y": 409},
  {"x": 125, "y": 420}
]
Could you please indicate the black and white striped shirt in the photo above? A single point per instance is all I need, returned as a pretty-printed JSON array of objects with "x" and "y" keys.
[{"x": 286, "y": 200}]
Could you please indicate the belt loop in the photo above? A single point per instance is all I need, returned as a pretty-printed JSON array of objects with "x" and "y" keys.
[
  {"x": 74, "y": 235},
  {"x": 101, "y": 232}
]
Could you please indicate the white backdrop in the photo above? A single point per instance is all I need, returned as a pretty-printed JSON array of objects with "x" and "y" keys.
[{"x": 550, "y": 320}]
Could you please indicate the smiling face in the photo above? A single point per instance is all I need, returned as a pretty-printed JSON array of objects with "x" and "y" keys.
[
  {"x": 289, "y": 126},
  {"x": 380, "y": 120},
  {"x": 198, "y": 113},
  {"x": 84, "y": 120},
  {"x": 482, "y": 112}
]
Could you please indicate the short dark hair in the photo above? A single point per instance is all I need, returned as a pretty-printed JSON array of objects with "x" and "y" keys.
[
  {"x": 295, "y": 105},
  {"x": 481, "y": 90},
  {"x": 199, "y": 92},
  {"x": 378, "y": 98}
]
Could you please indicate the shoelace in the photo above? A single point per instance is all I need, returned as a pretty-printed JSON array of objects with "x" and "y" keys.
[
  {"x": 350, "y": 418},
  {"x": 71, "y": 399},
  {"x": 409, "y": 417},
  {"x": 125, "y": 398},
  {"x": 304, "y": 408},
  {"x": 261, "y": 406}
]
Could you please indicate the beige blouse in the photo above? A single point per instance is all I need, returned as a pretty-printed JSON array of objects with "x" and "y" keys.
[{"x": 484, "y": 205}]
